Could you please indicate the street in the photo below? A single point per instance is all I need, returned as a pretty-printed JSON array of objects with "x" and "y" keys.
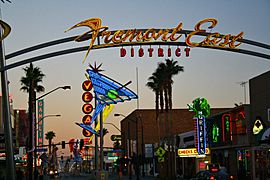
[{"x": 91, "y": 177}]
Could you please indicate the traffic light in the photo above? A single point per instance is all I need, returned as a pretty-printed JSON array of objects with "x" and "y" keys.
[
  {"x": 63, "y": 144},
  {"x": 81, "y": 144},
  {"x": 125, "y": 161}
]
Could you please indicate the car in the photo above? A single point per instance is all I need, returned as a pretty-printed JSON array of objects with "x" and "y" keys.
[
  {"x": 53, "y": 173},
  {"x": 214, "y": 172},
  {"x": 202, "y": 175}
]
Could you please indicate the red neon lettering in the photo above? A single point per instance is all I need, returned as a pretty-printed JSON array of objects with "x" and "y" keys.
[
  {"x": 187, "y": 51},
  {"x": 87, "y": 85},
  {"x": 86, "y": 133},
  {"x": 87, "y": 119},
  {"x": 40, "y": 116},
  {"x": 178, "y": 52},
  {"x": 123, "y": 52},
  {"x": 40, "y": 103},
  {"x": 160, "y": 52},
  {"x": 132, "y": 52},
  {"x": 87, "y": 108},
  {"x": 87, "y": 97},
  {"x": 150, "y": 50},
  {"x": 141, "y": 53},
  {"x": 169, "y": 52}
]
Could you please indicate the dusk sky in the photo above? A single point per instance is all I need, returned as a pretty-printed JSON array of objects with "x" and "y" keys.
[{"x": 209, "y": 73}]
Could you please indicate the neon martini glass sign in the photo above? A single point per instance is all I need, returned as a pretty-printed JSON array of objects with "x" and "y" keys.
[{"x": 107, "y": 91}]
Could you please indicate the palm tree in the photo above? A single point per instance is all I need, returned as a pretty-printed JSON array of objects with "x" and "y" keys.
[
  {"x": 161, "y": 83},
  {"x": 30, "y": 83},
  {"x": 33, "y": 76},
  {"x": 155, "y": 83},
  {"x": 49, "y": 136},
  {"x": 104, "y": 132},
  {"x": 172, "y": 69}
]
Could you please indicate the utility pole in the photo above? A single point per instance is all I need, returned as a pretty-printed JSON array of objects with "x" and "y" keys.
[
  {"x": 10, "y": 165},
  {"x": 243, "y": 84}
]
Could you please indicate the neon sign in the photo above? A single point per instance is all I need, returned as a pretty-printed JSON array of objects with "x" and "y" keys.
[
  {"x": 87, "y": 108},
  {"x": 107, "y": 92},
  {"x": 190, "y": 152},
  {"x": 132, "y": 36},
  {"x": 40, "y": 123},
  {"x": 202, "y": 109},
  {"x": 160, "y": 52}
]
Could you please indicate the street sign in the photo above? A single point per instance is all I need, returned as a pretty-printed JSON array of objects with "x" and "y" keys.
[
  {"x": 160, "y": 152},
  {"x": 161, "y": 159},
  {"x": 116, "y": 137},
  {"x": 148, "y": 151},
  {"x": 42, "y": 149}
]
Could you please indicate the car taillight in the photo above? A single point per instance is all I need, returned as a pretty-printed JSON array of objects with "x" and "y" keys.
[
  {"x": 212, "y": 178},
  {"x": 214, "y": 170}
]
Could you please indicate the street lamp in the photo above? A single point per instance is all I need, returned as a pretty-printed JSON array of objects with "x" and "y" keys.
[
  {"x": 35, "y": 148},
  {"x": 113, "y": 126},
  {"x": 61, "y": 87},
  {"x": 35, "y": 123},
  {"x": 137, "y": 145}
]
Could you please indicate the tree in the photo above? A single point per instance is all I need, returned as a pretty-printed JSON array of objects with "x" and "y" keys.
[
  {"x": 49, "y": 136},
  {"x": 31, "y": 84},
  {"x": 172, "y": 69},
  {"x": 104, "y": 132},
  {"x": 33, "y": 76},
  {"x": 161, "y": 83},
  {"x": 155, "y": 83}
]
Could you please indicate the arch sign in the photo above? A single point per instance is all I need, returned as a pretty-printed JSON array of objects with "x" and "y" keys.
[
  {"x": 100, "y": 37},
  {"x": 135, "y": 36}
]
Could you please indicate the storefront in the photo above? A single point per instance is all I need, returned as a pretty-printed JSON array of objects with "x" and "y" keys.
[{"x": 190, "y": 162}]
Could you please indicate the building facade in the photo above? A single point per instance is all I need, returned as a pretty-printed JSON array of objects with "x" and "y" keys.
[
  {"x": 239, "y": 138},
  {"x": 143, "y": 128}
]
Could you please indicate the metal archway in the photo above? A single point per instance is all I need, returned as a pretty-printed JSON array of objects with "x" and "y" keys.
[{"x": 101, "y": 46}]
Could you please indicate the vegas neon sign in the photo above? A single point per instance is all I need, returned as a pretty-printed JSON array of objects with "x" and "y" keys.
[{"x": 135, "y": 36}]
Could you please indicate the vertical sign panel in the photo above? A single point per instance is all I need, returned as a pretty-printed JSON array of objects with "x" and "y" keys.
[
  {"x": 40, "y": 126},
  {"x": 201, "y": 136}
]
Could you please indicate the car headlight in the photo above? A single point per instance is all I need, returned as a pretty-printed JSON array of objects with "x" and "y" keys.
[
  {"x": 55, "y": 172},
  {"x": 51, "y": 172}
]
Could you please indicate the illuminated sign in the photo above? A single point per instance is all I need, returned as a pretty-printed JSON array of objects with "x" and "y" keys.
[
  {"x": 258, "y": 126},
  {"x": 107, "y": 92},
  {"x": 226, "y": 127},
  {"x": 202, "y": 110},
  {"x": 160, "y": 52},
  {"x": 133, "y": 36},
  {"x": 40, "y": 125},
  {"x": 116, "y": 137},
  {"x": 201, "y": 136},
  {"x": 87, "y": 108},
  {"x": 190, "y": 152}
]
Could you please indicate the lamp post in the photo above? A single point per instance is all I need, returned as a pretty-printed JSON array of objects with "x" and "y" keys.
[
  {"x": 35, "y": 150},
  {"x": 137, "y": 146},
  {"x": 113, "y": 126},
  {"x": 61, "y": 87},
  {"x": 35, "y": 123}
]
